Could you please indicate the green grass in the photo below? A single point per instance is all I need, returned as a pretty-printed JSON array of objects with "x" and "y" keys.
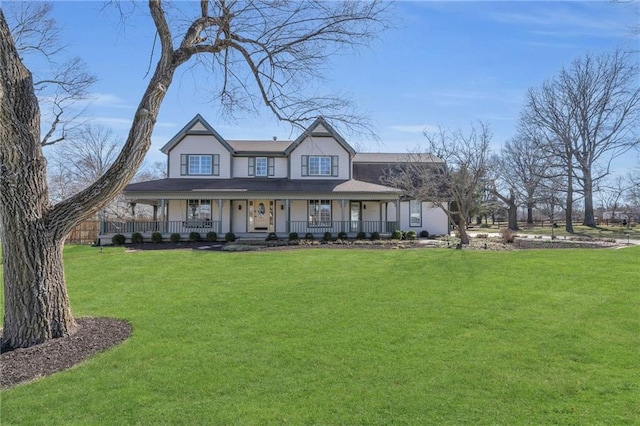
[{"x": 327, "y": 336}]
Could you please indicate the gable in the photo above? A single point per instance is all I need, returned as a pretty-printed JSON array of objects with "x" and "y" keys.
[
  {"x": 322, "y": 134},
  {"x": 197, "y": 126}
]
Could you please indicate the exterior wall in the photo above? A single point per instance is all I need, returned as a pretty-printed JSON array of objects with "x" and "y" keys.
[
  {"x": 282, "y": 165},
  {"x": 241, "y": 167},
  {"x": 177, "y": 210},
  {"x": 372, "y": 212},
  {"x": 324, "y": 146},
  {"x": 239, "y": 216},
  {"x": 434, "y": 220},
  {"x": 199, "y": 144},
  {"x": 280, "y": 217}
]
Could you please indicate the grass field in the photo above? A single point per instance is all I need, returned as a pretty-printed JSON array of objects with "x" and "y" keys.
[{"x": 329, "y": 336}]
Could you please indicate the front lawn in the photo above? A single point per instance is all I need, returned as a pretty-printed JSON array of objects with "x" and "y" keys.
[{"x": 330, "y": 336}]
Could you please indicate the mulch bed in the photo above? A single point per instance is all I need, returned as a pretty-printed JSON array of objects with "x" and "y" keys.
[{"x": 92, "y": 335}]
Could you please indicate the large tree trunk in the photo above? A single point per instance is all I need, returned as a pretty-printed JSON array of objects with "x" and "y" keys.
[
  {"x": 568, "y": 213},
  {"x": 36, "y": 302},
  {"x": 40, "y": 310},
  {"x": 530, "y": 205},
  {"x": 462, "y": 229},
  {"x": 33, "y": 231},
  {"x": 589, "y": 217}
]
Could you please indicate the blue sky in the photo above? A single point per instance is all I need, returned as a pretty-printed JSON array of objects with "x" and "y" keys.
[{"x": 447, "y": 63}]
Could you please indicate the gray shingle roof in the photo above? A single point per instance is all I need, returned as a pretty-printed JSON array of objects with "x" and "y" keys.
[
  {"x": 389, "y": 157},
  {"x": 266, "y": 146},
  {"x": 256, "y": 185}
]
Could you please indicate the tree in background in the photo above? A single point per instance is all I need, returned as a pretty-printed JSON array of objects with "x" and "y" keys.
[
  {"x": 459, "y": 174},
  {"x": 261, "y": 51},
  {"x": 589, "y": 115}
]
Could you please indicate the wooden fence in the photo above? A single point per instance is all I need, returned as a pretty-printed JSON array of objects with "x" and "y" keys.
[{"x": 85, "y": 233}]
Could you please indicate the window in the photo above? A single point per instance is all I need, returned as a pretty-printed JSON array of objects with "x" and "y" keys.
[
  {"x": 199, "y": 210},
  {"x": 313, "y": 165},
  {"x": 198, "y": 164},
  {"x": 319, "y": 212},
  {"x": 319, "y": 166},
  {"x": 415, "y": 213},
  {"x": 261, "y": 166}
]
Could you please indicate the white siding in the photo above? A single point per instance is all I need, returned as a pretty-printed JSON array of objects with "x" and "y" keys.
[
  {"x": 241, "y": 167},
  {"x": 322, "y": 146},
  {"x": 199, "y": 144},
  {"x": 434, "y": 220},
  {"x": 239, "y": 216},
  {"x": 177, "y": 210}
]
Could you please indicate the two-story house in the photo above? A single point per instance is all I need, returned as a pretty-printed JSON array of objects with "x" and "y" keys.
[{"x": 255, "y": 187}]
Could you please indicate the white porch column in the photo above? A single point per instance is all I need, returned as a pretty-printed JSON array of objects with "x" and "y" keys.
[
  {"x": 398, "y": 225},
  {"x": 342, "y": 214},
  {"x": 220, "y": 202},
  {"x": 287, "y": 215},
  {"x": 163, "y": 215}
]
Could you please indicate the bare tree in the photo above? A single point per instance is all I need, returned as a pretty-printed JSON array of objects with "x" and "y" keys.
[
  {"x": 519, "y": 169},
  {"x": 591, "y": 115},
  {"x": 81, "y": 160},
  {"x": 277, "y": 44},
  {"x": 64, "y": 81},
  {"x": 461, "y": 177}
]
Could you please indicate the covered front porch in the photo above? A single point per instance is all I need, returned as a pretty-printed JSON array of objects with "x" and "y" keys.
[{"x": 257, "y": 207}]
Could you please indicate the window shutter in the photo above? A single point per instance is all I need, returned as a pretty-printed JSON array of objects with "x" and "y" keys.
[
  {"x": 272, "y": 166},
  {"x": 216, "y": 164},
  {"x": 183, "y": 164},
  {"x": 334, "y": 165},
  {"x": 305, "y": 165},
  {"x": 252, "y": 166}
]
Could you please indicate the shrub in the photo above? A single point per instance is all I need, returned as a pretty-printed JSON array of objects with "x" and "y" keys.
[
  {"x": 485, "y": 225},
  {"x": 424, "y": 234},
  {"x": 397, "y": 235},
  {"x": 156, "y": 237},
  {"x": 194, "y": 236},
  {"x": 293, "y": 236},
  {"x": 229, "y": 237},
  {"x": 212, "y": 237},
  {"x": 272, "y": 237},
  {"x": 309, "y": 236},
  {"x": 342, "y": 235},
  {"x": 327, "y": 236},
  {"x": 375, "y": 235},
  {"x": 411, "y": 235},
  {"x": 361, "y": 235},
  {"x": 136, "y": 238},
  {"x": 508, "y": 236},
  {"x": 118, "y": 239},
  {"x": 174, "y": 238}
]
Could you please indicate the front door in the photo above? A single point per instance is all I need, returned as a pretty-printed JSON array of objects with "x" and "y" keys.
[
  {"x": 355, "y": 216},
  {"x": 261, "y": 215}
]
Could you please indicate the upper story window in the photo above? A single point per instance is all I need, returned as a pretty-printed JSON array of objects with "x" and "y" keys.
[
  {"x": 316, "y": 165},
  {"x": 199, "y": 164},
  {"x": 261, "y": 166}
]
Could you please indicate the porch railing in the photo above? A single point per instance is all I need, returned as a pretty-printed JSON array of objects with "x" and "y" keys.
[
  {"x": 204, "y": 226},
  {"x": 368, "y": 226},
  {"x": 165, "y": 227}
]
